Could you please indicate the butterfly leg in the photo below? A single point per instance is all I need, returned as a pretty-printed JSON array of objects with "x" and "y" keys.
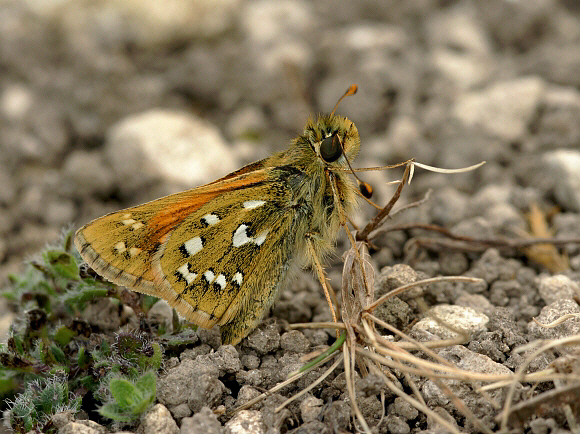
[{"x": 321, "y": 274}]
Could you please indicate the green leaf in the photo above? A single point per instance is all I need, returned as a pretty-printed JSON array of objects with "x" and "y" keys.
[
  {"x": 83, "y": 358},
  {"x": 125, "y": 393},
  {"x": 84, "y": 294},
  {"x": 64, "y": 335},
  {"x": 147, "y": 384},
  {"x": 147, "y": 302},
  {"x": 112, "y": 411},
  {"x": 63, "y": 264},
  {"x": 58, "y": 354}
]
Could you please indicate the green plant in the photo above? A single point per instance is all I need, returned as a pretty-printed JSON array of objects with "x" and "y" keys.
[
  {"x": 54, "y": 360},
  {"x": 129, "y": 399},
  {"x": 42, "y": 398}
]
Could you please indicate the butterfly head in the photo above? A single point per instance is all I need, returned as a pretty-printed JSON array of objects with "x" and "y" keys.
[{"x": 333, "y": 138}]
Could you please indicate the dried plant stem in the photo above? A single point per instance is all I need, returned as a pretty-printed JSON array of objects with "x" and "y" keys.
[
  {"x": 373, "y": 224},
  {"x": 471, "y": 243},
  {"x": 317, "y": 325},
  {"x": 348, "y": 371},
  {"x": 280, "y": 386},
  {"x": 418, "y": 405},
  {"x": 311, "y": 386},
  {"x": 520, "y": 375},
  {"x": 408, "y": 286}
]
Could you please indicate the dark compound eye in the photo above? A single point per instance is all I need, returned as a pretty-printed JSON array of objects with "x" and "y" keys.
[{"x": 330, "y": 149}]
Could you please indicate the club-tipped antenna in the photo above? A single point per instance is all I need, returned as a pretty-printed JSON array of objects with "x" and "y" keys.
[
  {"x": 350, "y": 91},
  {"x": 365, "y": 188}
]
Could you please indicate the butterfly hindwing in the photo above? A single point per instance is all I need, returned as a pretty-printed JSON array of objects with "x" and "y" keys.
[{"x": 237, "y": 231}]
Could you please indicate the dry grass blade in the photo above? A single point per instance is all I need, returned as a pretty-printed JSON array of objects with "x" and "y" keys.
[{"x": 311, "y": 386}]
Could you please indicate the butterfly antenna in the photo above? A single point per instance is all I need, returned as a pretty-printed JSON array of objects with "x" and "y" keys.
[
  {"x": 350, "y": 91},
  {"x": 364, "y": 187}
]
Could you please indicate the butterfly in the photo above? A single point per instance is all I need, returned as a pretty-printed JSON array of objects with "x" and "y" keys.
[{"x": 220, "y": 253}]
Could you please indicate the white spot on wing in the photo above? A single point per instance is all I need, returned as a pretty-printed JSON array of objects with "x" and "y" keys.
[
  {"x": 259, "y": 240},
  {"x": 209, "y": 276},
  {"x": 240, "y": 236},
  {"x": 137, "y": 225},
  {"x": 193, "y": 246},
  {"x": 134, "y": 251},
  {"x": 238, "y": 278},
  {"x": 128, "y": 222},
  {"x": 210, "y": 219},
  {"x": 120, "y": 247},
  {"x": 221, "y": 281},
  {"x": 187, "y": 275},
  {"x": 251, "y": 204}
]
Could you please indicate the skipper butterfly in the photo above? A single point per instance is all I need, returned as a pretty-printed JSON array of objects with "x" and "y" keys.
[{"x": 220, "y": 253}]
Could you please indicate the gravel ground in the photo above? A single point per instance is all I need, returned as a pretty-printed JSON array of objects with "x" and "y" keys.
[{"x": 107, "y": 104}]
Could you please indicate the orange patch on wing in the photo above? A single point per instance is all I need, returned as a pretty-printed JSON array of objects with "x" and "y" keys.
[{"x": 173, "y": 214}]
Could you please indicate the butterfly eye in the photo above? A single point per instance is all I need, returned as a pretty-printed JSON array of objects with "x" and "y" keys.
[{"x": 330, "y": 149}]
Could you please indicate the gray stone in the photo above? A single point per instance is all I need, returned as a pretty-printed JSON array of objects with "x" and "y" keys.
[
  {"x": 226, "y": 359},
  {"x": 265, "y": 339},
  {"x": 402, "y": 408},
  {"x": 59, "y": 420},
  {"x": 461, "y": 49},
  {"x": 294, "y": 341},
  {"x": 250, "y": 361},
  {"x": 477, "y": 302},
  {"x": 83, "y": 427},
  {"x": 398, "y": 275},
  {"x": 86, "y": 173},
  {"x": 206, "y": 389},
  {"x": 559, "y": 124},
  {"x": 180, "y": 411},
  {"x": 158, "y": 420},
  {"x": 204, "y": 421},
  {"x": 161, "y": 314},
  {"x": 558, "y": 287},
  {"x": 246, "y": 422},
  {"x": 337, "y": 414},
  {"x": 505, "y": 217},
  {"x": 312, "y": 427},
  {"x": 469, "y": 361},
  {"x": 246, "y": 394},
  {"x": 551, "y": 313},
  {"x": 396, "y": 425},
  {"x": 310, "y": 408},
  {"x": 453, "y": 263},
  {"x": 175, "y": 387}
]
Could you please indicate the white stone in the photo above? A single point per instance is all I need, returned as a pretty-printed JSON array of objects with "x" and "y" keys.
[
  {"x": 175, "y": 146},
  {"x": 563, "y": 168},
  {"x": 462, "y": 318},
  {"x": 504, "y": 109}
]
